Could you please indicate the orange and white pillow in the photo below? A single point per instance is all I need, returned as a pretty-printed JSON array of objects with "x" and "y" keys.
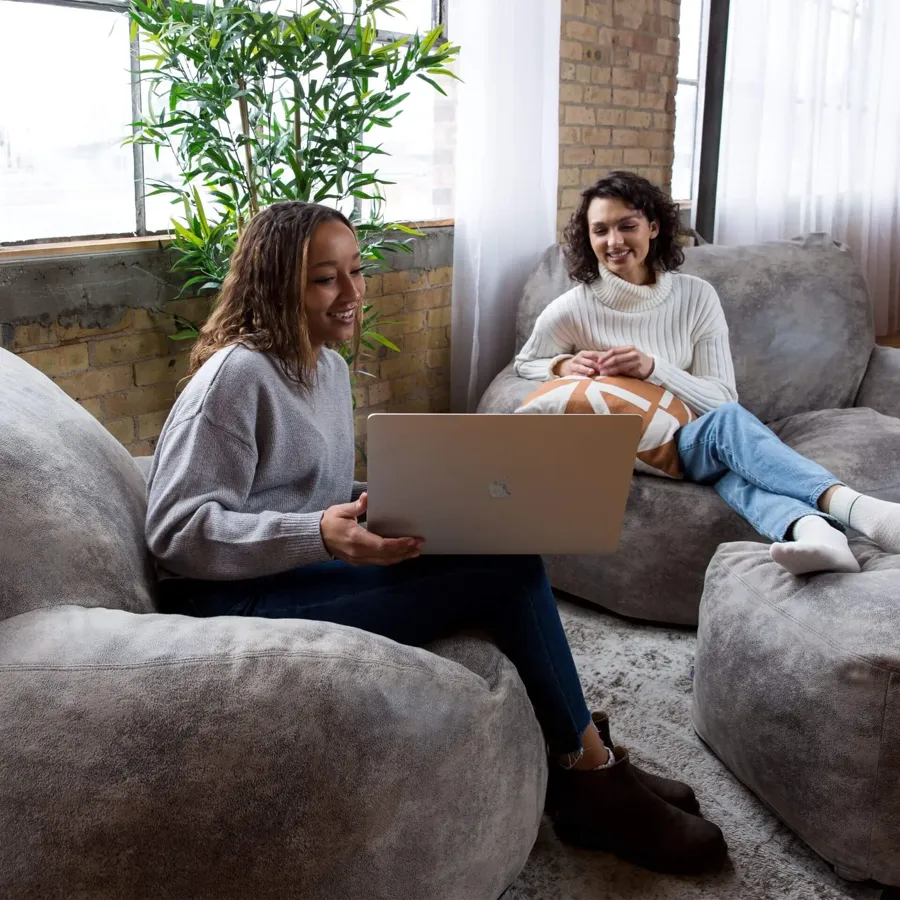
[{"x": 663, "y": 413}]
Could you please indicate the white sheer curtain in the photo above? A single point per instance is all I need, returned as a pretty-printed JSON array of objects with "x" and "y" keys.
[
  {"x": 507, "y": 164},
  {"x": 811, "y": 132}
]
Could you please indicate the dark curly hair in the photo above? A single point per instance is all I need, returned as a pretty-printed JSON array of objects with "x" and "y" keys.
[{"x": 638, "y": 193}]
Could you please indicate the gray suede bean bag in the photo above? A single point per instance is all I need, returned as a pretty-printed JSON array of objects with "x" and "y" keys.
[
  {"x": 802, "y": 339},
  {"x": 797, "y": 690},
  {"x": 163, "y": 757}
]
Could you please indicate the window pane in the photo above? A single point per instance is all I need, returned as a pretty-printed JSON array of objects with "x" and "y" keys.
[
  {"x": 422, "y": 144},
  {"x": 412, "y": 16},
  {"x": 64, "y": 110},
  {"x": 690, "y": 39},
  {"x": 685, "y": 135}
]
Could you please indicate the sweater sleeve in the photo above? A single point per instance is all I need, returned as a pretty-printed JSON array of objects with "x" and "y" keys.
[
  {"x": 550, "y": 342},
  {"x": 710, "y": 381},
  {"x": 359, "y": 488},
  {"x": 192, "y": 526}
]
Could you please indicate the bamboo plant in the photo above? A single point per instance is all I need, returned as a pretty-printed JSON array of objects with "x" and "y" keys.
[{"x": 257, "y": 105}]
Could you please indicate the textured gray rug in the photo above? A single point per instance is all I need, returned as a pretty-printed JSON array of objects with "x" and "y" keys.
[{"x": 641, "y": 675}]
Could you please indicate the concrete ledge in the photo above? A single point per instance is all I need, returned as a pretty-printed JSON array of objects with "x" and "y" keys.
[{"x": 92, "y": 290}]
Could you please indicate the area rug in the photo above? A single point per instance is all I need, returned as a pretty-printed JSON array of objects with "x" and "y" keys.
[{"x": 641, "y": 675}]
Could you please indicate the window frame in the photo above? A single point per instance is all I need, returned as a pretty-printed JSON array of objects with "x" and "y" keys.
[{"x": 141, "y": 236}]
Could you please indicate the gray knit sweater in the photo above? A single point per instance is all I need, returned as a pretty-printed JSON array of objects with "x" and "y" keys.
[{"x": 245, "y": 466}]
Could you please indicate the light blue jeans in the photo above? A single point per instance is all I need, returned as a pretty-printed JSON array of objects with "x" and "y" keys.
[{"x": 757, "y": 475}]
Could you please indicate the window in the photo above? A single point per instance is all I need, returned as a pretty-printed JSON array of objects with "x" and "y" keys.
[
  {"x": 688, "y": 98},
  {"x": 64, "y": 171}
]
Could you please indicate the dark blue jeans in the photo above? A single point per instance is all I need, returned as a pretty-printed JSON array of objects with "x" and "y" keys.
[{"x": 416, "y": 602}]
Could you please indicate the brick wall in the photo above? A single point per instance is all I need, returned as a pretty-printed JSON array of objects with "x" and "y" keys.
[
  {"x": 126, "y": 374},
  {"x": 618, "y": 62}
]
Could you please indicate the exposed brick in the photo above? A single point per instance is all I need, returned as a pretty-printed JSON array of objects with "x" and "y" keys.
[
  {"x": 429, "y": 339},
  {"x": 151, "y": 319},
  {"x": 58, "y": 360},
  {"x": 571, "y": 93},
  {"x": 628, "y": 78},
  {"x": 623, "y": 97},
  {"x": 653, "y": 139},
  {"x": 583, "y": 74},
  {"x": 402, "y": 364},
  {"x": 570, "y": 135},
  {"x": 568, "y": 71},
  {"x": 193, "y": 309},
  {"x": 582, "y": 31},
  {"x": 395, "y": 282},
  {"x": 579, "y": 115},
  {"x": 638, "y": 119},
  {"x": 155, "y": 371},
  {"x": 441, "y": 276},
  {"x": 571, "y": 50},
  {"x": 95, "y": 382},
  {"x": 138, "y": 401},
  {"x": 390, "y": 305},
  {"x": 77, "y": 332},
  {"x": 600, "y": 95},
  {"x": 573, "y": 8},
  {"x": 360, "y": 396},
  {"x": 374, "y": 285},
  {"x": 93, "y": 407},
  {"x": 662, "y": 157},
  {"x": 25, "y": 337},
  {"x": 439, "y": 318},
  {"x": 601, "y": 75},
  {"x": 144, "y": 448},
  {"x": 122, "y": 430},
  {"x": 652, "y": 100},
  {"x": 597, "y": 137},
  {"x": 436, "y": 359},
  {"x": 609, "y": 157},
  {"x": 149, "y": 425},
  {"x": 610, "y": 117},
  {"x": 415, "y": 384},
  {"x": 413, "y": 405},
  {"x": 599, "y": 11},
  {"x": 379, "y": 392},
  {"x": 667, "y": 47},
  {"x": 128, "y": 347},
  {"x": 624, "y": 137},
  {"x": 577, "y": 156},
  {"x": 637, "y": 157},
  {"x": 569, "y": 177},
  {"x": 414, "y": 321}
]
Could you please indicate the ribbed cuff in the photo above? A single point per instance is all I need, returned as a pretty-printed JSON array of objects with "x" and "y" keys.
[{"x": 303, "y": 538}]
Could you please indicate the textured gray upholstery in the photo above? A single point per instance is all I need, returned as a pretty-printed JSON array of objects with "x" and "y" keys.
[
  {"x": 797, "y": 690},
  {"x": 164, "y": 757},
  {"x": 802, "y": 340}
]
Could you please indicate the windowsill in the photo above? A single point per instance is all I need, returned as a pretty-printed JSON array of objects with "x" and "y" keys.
[{"x": 124, "y": 244}]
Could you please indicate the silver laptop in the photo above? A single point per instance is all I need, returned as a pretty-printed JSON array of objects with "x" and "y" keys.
[{"x": 501, "y": 483}]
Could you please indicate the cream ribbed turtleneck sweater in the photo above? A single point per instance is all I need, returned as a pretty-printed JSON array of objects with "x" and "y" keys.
[{"x": 678, "y": 321}]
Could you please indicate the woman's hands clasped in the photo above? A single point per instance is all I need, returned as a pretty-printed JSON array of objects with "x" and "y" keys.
[
  {"x": 347, "y": 540},
  {"x": 626, "y": 362}
]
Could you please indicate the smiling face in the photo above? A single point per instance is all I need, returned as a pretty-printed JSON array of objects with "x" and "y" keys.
[
  {"x": 335, "y": 285},
  {"x": 620, "y": 238}
]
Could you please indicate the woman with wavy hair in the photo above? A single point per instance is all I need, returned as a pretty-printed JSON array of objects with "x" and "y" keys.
[
  {"x": 253, "y": 511},
  {"x": 632, "y": 315}
]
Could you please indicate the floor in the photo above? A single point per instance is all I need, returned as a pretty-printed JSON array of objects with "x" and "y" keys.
[
  {"x": 892, "y": 340},
  {"x": 641, "y": 675}
]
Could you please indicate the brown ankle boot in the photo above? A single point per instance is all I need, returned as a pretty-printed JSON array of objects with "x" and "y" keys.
[
  {"x": 611, "y": 809},
  {"x": 675, "y": 792}
]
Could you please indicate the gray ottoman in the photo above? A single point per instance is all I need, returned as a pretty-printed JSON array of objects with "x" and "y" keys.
[{"x": 797, "y": 690}]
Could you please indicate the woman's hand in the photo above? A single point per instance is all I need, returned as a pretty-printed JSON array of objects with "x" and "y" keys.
[
  {"x": 627, "y": 362},
  {"x": 346, "y": 540},
  {"x": 586, "y": 362}
]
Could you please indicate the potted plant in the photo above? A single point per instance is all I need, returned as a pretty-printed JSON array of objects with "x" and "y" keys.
[{"x": 258, "y": 106}]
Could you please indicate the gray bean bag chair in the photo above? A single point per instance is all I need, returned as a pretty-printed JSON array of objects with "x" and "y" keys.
[
  {"x": 797, "y": 690},
  {"x": 802, "y": 338},
  {"x": 153, "y": 756}
]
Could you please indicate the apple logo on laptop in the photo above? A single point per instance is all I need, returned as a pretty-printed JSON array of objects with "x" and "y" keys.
[{"x": 499, "y": 490}]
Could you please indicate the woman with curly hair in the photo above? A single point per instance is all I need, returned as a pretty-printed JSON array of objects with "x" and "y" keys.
[
  {"x": 253, "y": 511},
  {"x": 632, "y": 315}
]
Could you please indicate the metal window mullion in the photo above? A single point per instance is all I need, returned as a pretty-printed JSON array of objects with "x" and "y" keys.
[{"x": 137, "y": 150}]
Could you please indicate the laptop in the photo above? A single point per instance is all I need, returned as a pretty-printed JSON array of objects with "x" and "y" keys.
[{"x": 505, "y": 484}]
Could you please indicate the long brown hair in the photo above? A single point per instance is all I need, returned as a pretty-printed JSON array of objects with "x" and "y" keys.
[
  {"x": 665, "y": 254},
  {"x": 263, "y": 295}
]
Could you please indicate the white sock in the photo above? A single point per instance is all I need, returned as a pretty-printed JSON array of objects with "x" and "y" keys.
[
  {"x": 878, "y": 520},
  {"x": 817, "y": 546},
  {"x": 610, "y": 762}
]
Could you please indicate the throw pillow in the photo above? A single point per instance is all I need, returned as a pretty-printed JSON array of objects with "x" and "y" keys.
[{"x": 663, "y": 413}]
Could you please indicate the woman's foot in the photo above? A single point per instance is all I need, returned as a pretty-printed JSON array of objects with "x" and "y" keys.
[
  {"x": 610, "y": 809},
  {"x": 817, "y": 546},
  {"x": 675, "y": 792},
  {"x": 878, "y": 520}
]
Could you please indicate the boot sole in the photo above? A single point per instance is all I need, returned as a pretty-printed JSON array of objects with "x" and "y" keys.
[{"x": 578, "y": 838}]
